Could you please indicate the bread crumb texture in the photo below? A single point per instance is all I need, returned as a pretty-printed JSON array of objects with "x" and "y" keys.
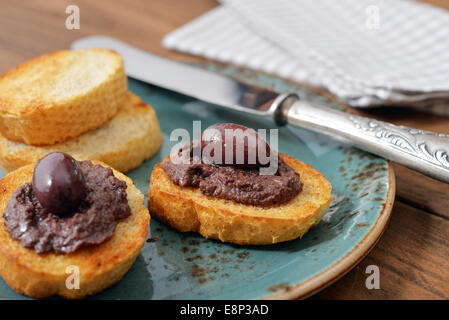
[
  {"x": 124, "y": 142},
  {"x": 61, "y": 95}
]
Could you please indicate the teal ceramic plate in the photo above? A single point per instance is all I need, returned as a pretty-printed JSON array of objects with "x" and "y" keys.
[{"x": 187, "y": 266}]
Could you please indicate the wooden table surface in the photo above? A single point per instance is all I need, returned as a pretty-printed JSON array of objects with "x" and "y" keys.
[{"x": 413, "y": 253}]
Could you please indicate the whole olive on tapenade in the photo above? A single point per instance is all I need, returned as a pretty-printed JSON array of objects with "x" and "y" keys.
[
  {"x": 246, "y": 146},
  {"x": 58, "y": 183}
]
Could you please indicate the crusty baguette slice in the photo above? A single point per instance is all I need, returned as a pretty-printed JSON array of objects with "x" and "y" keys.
[
  {"x": 44, "y": 275},
  {"x": 60, "y": 95},
  {"x": 188, "y": 209},
  {"x": 123, "y": 142}
]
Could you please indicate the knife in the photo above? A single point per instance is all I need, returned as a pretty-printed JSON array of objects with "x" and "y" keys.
[{"x": 423, "y": 151}]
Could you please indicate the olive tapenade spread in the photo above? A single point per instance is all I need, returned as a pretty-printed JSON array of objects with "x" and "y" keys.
[
  {"x": 240, "y": 183},
  {"x": 245, "y": 186},
  {"x": 91, "y": 223}
]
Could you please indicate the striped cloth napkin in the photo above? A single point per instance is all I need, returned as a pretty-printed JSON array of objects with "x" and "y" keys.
[{"x": 366, "y": 52}]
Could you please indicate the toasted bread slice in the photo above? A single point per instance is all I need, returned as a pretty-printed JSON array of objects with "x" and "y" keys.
[
  {"x": 60, "y": 95},
  {"x": 188, "y": 209},
  {"x": 123, "y": 142},
  {"x": 44, "y": 275}
]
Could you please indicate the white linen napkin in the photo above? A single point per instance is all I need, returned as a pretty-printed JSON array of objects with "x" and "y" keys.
[{"x": 366, "y": 52}]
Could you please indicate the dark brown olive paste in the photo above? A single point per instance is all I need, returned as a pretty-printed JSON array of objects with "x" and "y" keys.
[
  {"x": 246, "y": 186},
  {"x": 92, "y": 223}
]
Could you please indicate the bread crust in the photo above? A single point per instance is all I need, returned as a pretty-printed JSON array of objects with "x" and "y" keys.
[
  {"x": 124, "y": 142},
  {"x": 44, "y": 275},
  {"x": 188, "y": 209},
  {"x": 61, "y": 95}
]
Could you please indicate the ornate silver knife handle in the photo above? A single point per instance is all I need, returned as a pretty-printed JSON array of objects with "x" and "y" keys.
[{"x": 424, "y": 151}]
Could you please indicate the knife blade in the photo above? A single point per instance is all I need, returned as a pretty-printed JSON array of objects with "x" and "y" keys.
[
  {"x": 424, "y": 151},
  {"x": 197, "y": 83}
]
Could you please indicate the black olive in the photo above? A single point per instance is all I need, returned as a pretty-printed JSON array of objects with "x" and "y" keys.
[
  {"x": 244, "y": 144},
  {"x": 58, "y": 183}
]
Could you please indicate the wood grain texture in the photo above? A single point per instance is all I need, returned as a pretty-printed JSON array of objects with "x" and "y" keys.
[
  {"x": 412, "y": 257},
  {"x": 413, "y": 253},
  {"x": 31, "y": 27}
]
